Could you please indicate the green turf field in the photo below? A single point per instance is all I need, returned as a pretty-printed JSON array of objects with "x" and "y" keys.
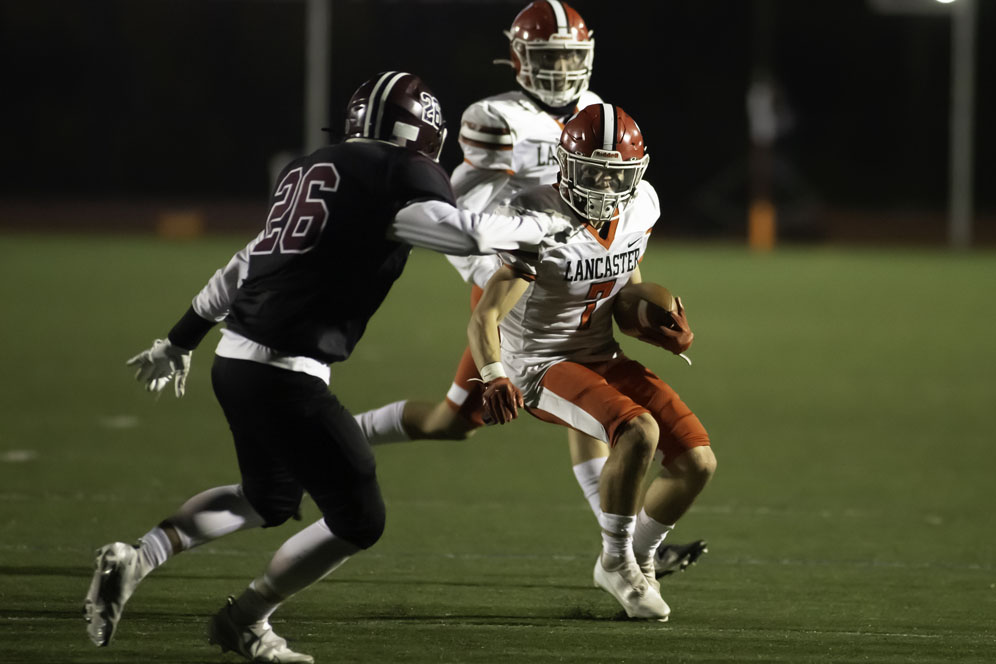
[{"x": 850, "y": 395}]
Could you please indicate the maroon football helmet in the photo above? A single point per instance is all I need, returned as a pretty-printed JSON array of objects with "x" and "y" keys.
[
  {"x": 602, "y": 160},
  {"x": 552, "y": 52},
  {"x": 398, "y": 108}
]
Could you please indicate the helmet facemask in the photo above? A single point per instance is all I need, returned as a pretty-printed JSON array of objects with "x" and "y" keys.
[
  {"x": 599, "y": 187},
  {"x": 557, "y": 70}
]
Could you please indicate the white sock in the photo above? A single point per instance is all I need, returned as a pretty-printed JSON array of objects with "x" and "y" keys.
[
  {"x": 154, "y": 549},
  {"x": 649, "y": 535},
  {"x": 617, "y": 534},
  {"x": 383, "y": 425},
  {"x": 256, "y": 603},
  {"x": 587, "y": 474},
  {"x": 212, "y": 514},
  {"x": 302, "y": 560}
]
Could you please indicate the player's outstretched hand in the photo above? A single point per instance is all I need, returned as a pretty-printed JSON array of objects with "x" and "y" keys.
[
  {"x": 677, "y": 334},
  {"x": 160, "y": 364},
  {"x": 556, "y": 226},
  {"x": 502, "y": 400}
]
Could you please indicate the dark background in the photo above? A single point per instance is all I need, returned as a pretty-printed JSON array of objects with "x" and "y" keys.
[{"x": 196, "y": 100}]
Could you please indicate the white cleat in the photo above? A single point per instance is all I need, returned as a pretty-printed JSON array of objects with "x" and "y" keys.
[
  {"x": 649, "y": 571},
  {"x": 257, "y": 641},
  {"x": 117, "y": 572},
  {"x": 624, "y": 580}
]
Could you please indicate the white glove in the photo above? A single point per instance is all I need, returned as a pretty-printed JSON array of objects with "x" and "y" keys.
[
  {"x": 161, "y": 364},
  {"x": 559, "y": 228},
  {"x": 555, "y": 226}
]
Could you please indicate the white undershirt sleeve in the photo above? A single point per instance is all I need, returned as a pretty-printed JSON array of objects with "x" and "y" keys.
[
  {"x": 441, "y": 227},
  {"x": 478, "y": 189},
  {"x": 215, "y": 299}
]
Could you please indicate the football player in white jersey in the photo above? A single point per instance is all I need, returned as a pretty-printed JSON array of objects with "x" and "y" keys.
[
  {"x": 554, "y": 311},
  {"x": 509, "y": 143}
]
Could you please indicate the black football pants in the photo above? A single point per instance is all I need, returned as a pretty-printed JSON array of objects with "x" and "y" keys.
[{"x": 292, "y": 435}]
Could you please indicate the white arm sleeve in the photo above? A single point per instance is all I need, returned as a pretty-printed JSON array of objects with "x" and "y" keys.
[
  {"x": 478, "y": 190},
  {"x": 215, "y": 299},
  {"x": 441, "y": 227}
]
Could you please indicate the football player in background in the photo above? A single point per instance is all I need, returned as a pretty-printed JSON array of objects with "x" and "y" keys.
[
  {"x": 346, "y": 214},
  {"x": 509, "y": 143},
  {"x": 554, "y": 311}
]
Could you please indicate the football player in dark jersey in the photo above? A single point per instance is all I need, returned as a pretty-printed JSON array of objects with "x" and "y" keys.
[{"x": 298, "y": 297}]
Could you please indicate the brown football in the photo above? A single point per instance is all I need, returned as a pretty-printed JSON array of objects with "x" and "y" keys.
[{"x": 641, "y": 309}]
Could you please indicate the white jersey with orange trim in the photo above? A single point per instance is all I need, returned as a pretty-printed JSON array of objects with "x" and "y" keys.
[
  {"x": 566, "y": 313},
  {"x": 509, "y": 143}
]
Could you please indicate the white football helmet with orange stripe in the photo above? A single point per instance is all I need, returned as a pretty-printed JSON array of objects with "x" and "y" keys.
[
  {"x": 552, "y": 52},
  {"x": 602, "y": 160}
]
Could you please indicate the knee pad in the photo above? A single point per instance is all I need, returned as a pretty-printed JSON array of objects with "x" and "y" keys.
[{"x": 361, "y": 521}]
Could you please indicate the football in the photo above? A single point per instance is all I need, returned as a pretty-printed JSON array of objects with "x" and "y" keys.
[{"x": 640, "y": 309}]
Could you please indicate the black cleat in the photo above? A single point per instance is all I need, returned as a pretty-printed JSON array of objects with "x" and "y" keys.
[{"x": 671, "y": 558}]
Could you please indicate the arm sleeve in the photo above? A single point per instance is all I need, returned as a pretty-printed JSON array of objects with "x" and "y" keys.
[
  {"x": 190, "y": 330},
  {"x": 518, "y": 263},
  {"x": 479, "y": 190},
  {"x": 215, "y": 299},
  {"x": 213, "y": 302},
  {"x": 442, "y": 227}
]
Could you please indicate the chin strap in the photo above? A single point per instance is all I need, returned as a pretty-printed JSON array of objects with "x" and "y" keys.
[{"x": 566, "y": 110}]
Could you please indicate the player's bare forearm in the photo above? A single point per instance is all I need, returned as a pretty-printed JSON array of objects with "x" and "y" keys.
[
  {"x": 500, "y": 294},
  {"x": 501, "y": 398},
  {"x": 482, "y": 333}
]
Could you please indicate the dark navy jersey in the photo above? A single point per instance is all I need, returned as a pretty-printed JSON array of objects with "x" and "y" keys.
[{"x": 325, "y": 264}]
